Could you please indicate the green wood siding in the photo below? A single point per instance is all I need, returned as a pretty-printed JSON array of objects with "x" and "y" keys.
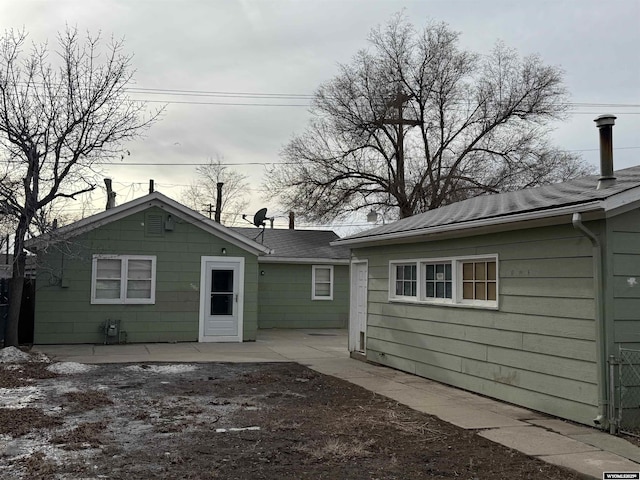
[
  {"x": 64, "y": 313},
  {"x": 537, "y": 349},
  {"x": 284, "y": 298},
  {"x": 624, "y": 279}
]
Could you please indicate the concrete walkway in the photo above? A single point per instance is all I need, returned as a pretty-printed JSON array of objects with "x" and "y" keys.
[{"x": 583, "y": 449}]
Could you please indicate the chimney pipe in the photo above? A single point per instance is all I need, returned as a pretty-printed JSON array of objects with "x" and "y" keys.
[
  {"x": 151, "y": 186},
  {"x": 605, "y": 124},
  {"x": 292, "y": 221},
  {"x": 218, "y": 212},
  {"x": 111, "y": 195}
]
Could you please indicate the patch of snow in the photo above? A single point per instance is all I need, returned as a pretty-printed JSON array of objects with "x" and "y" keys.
[
  {"x": 26, "y": 446},
  {"x": 176, "y": 368},
  {"x": 13, "y": 355},
  {"x": 19, "y": 397},
  {"x": 70, "y": 367},
  {"x": 235, "y": 429},
  {"x": 60, "y": 386}
]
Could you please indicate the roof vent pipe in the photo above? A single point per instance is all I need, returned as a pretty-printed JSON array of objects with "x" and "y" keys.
[{"x": 605, "y": 124}]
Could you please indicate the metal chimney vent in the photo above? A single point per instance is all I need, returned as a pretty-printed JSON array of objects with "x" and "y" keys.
[{"x": 605, "y": 124}]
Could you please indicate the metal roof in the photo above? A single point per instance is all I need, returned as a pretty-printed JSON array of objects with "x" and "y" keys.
[
  {"x": 297, "y": 244},
  {"x": 497, "y": 208}
]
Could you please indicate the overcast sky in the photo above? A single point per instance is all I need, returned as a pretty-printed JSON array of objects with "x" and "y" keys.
[{"x": 289, "y": 47}]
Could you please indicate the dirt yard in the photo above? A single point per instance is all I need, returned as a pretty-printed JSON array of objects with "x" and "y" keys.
[{"x": 228, "y": 421}]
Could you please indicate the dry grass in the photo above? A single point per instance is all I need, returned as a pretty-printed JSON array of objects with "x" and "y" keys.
[
  {"x": 36, "y": 466},
  {"x": 21, "y": 374},
  {"x": 85, "y": 435},
  {"x": 337, "y": 449},
  {"x": 87, "y": 399},
  {"x": 282, "y": 424},
  {"x": 20, "y": 421}
]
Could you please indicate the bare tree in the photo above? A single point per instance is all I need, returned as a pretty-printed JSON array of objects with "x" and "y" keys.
[
  {"x": 202, "y": 193},
  {"x": 415, "y": 122},
  {"x": 57, "y": 117}
]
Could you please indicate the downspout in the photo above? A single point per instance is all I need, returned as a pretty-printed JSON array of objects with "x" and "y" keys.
[{"x": 601, "y": 350}]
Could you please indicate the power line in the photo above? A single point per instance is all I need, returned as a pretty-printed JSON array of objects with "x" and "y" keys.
[
  {"x": 217, "y": 92},
  {"x": 227, "y": 94},
  {"x": 240, "y": 164},
  {"x": 304, "y": 96},
  {"x": 171, "y": 102}
]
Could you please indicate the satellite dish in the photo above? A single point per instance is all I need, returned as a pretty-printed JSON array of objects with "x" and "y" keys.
[{"x": 260, "y": 217}]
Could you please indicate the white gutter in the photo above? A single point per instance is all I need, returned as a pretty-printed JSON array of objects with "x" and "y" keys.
[{"x": 604, "y": 402}]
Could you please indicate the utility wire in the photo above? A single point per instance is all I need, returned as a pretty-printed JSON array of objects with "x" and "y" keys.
[{"x": 241, "y": 164}]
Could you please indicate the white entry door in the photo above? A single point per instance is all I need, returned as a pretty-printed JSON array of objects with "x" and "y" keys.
[
  {"x": 358, "y": 307},
  {"x": 221, "y": 299}
]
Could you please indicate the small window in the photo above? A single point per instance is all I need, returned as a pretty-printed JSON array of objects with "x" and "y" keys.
[
  {"x": 123, "y": 279},
  {"x": 322, "y": 281},
  {"x": 405, "y": 279},
  {"x": 479, "y": 280}
]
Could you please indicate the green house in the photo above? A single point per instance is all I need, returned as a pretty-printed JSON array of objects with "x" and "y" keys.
[
  {"x": 523, "y": 296},
  {"x": 304, "y": 281},
  {"x": 153, "y": 270}
]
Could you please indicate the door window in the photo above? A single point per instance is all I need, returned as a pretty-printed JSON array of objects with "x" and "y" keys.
[{"x": 221, "y": 292}]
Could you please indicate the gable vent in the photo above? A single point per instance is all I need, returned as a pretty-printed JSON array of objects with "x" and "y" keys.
[{"x": 153, "y": 225}]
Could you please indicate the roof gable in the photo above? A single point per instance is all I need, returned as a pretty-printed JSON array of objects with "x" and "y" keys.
[
  {"x": 155, "y": 199},
  {"x": 578, "y": 195}
]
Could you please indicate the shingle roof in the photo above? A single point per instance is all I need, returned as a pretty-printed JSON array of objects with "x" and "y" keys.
[
  {"x": 306, "y": 244},
  {"x": 498, "y": 206},
  {"x": 139, "y": 204}
]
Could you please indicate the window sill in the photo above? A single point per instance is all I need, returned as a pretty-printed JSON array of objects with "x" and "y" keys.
[
  {"x": 119, "y": 302},
  {"x": 491, "y": 306}
]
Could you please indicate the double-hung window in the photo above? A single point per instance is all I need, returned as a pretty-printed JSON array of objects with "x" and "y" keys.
[
  {"x": 469, "y": 281},
  {"x": 123, "y": 279},
  {"x": 322, "y": 282},
  {"x": 405, "y": 280}
]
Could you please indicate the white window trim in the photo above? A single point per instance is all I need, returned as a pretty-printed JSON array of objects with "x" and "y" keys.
[
  {"x": 123, "y": 280},
  {"x": 392, "y": 281},
  {"x": 456, "y": 299},
  {"x": 422, "y": 277},
  {"x": 313, "y": 282}
]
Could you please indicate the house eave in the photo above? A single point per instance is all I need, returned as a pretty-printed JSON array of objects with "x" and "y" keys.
[
  {"x": 155, "y": 199},
  {"x": 590, "y": 211},
  {"x": 306, "y": 261}
]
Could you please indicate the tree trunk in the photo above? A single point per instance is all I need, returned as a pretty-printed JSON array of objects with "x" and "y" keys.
[{"x": 16, "y": 286}]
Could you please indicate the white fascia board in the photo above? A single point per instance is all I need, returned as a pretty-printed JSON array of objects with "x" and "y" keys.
[
  {"x": 622, "y": 202},
  {"x": 154, "y": 199},
  {"x": 86, "y": 224},
  {"x": 310, "y": 261},
  {"x": 475, "y": 227}
]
